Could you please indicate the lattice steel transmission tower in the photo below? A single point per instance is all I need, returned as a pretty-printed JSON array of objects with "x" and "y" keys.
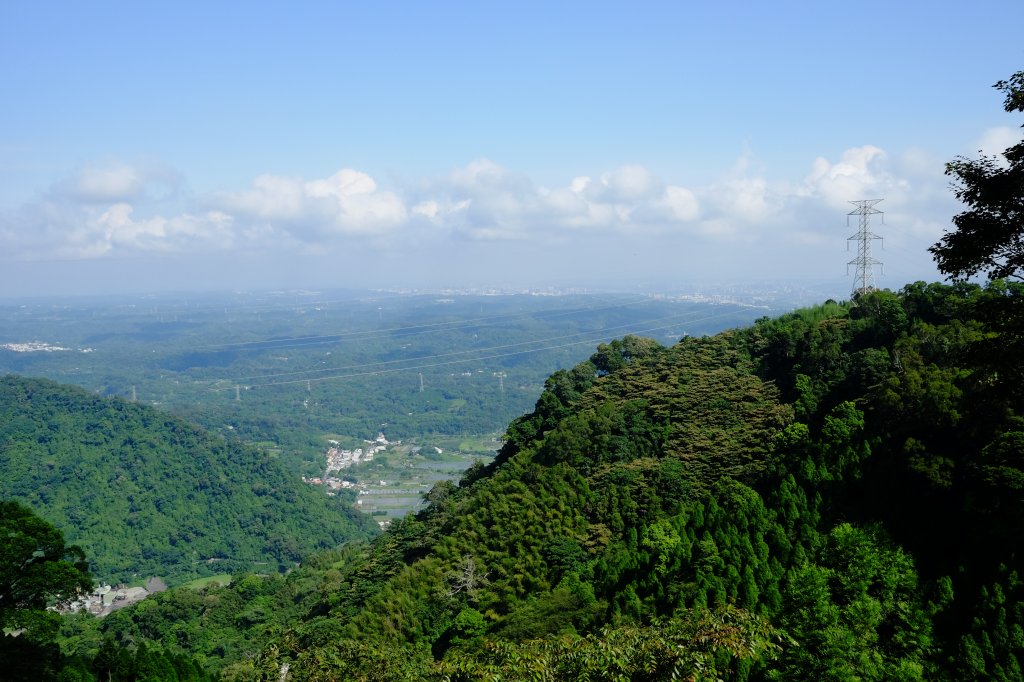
[{"x": 864, "y": 264}]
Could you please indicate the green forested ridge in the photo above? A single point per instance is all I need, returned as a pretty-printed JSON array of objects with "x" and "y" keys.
[
  {"x": 844, "y": 480},
  {"x": 146, "y": 494}
]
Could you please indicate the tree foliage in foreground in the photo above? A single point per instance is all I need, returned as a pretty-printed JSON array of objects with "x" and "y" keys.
[
  {"x": 685, "y": 647},
  {"x": 37, "y": 570},
  {"x": 989, "y": 235}
]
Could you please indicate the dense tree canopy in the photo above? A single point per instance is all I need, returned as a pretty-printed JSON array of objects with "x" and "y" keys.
[
  {"x": 989, "y": 235},
  {"x": 36, "y": 567},
  {"x": 37, "y": 570},
  {"x": 848, "y": 477},
  {"x": 147, "y": 494}
]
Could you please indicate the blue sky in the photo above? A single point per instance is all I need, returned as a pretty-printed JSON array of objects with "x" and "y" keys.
[{"x": 183, "y": 146}]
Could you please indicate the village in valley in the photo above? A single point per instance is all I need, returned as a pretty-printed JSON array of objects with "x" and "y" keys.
[
  {"x": 390, "y": 478},
  {"x": 339, "y": 459}
]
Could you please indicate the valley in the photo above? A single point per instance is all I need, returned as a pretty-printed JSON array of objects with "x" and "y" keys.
[
  {"x": 831, "y": 493},
  {"x": 760, "y": 501},
  {"x": 299, "y": 373},
  {"x": 410, "y": 471}
]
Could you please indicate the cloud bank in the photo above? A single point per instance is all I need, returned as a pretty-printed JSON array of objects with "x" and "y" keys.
[{"x": 743, "y": 220}]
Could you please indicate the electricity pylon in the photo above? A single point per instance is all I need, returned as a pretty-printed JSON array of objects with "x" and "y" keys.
[{"x": 864, "y": 264}]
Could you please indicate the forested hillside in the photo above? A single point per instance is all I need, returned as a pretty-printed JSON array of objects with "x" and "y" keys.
[
  {"x": 833, "y": 494},
  {"x": 147, "y": 494}
]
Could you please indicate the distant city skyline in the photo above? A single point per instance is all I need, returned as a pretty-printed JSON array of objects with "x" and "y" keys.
[{"x": 190, "y": 147}]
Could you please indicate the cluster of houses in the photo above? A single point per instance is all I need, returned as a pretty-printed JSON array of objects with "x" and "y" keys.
[
  {"x": 339, "y": 459},
  {"x": 106, "y": 599},
  {"x": 39, "y": 347}
]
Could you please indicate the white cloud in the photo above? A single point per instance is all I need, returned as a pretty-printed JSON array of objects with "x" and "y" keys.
[
  {"x": 482, "y": 173},
  {"x": 116, "y": 228},
  {"x": 483, "y": 200},
  {"x": 995, "y": 141},
  {"x": 859, "y": 174},
  {"x": 682, "y": 203},
  {"x": 51, "y": 229},
  {"x": 346, "y": 203},
  {"x": 428, "y": 209},
  {"x": 742, "y": 200},
  {"x": 271, "y": 198},
  {"x": 112, "y": 181},
  {"x": 625, "y": 185},
  {"x": 743, "y": 216},
  {"x": 344, "y": 183}
]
